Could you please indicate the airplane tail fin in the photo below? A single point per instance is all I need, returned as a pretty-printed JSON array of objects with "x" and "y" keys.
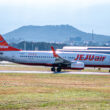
[{"x": 5, "y": 47}]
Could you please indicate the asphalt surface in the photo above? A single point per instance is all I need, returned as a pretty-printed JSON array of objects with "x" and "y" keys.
[{"x": 49, "y": 72}]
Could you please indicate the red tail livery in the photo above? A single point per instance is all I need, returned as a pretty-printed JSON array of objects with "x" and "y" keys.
[{"x": 5, "y": 47}]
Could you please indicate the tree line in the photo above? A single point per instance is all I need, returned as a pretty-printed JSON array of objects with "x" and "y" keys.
[{"x": 24, "y": 45}]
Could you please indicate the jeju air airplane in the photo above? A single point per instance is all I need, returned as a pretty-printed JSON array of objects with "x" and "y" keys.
[{"x": 57, "y": 60}]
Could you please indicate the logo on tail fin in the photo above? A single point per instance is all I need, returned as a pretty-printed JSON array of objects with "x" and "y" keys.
[{"x": 4, "y": 47}]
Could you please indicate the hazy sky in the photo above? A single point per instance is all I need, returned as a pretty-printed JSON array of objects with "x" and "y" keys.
[{"x": 82, "y": 14}]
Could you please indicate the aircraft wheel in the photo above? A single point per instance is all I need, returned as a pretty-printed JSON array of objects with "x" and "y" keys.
[
  {"x": 58, "y": 69},
  {"x": 53, "y": 69}
]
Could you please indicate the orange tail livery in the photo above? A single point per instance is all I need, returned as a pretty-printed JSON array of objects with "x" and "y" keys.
[{"x": 5, "y": 47}]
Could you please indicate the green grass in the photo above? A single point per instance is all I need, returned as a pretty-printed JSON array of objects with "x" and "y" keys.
[{"x": 54, "y": 92}]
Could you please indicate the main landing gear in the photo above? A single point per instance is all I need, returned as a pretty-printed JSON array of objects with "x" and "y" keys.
[{"x": 57, "y": 69}]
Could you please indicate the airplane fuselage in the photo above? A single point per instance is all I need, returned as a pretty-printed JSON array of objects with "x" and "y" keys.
[{"x": 46, "y": 58}]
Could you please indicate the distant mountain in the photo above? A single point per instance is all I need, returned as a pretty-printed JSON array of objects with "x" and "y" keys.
[{"x": 51, "y": 33}]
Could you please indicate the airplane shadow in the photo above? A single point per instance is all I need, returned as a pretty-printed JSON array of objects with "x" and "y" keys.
[{"x": 60, "y": 72}]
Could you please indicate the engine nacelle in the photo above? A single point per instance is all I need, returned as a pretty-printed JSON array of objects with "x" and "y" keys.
[{"x": 77, "y": 65}]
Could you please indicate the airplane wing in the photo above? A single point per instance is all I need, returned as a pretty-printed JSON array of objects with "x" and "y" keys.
[
  {"x": 58, "y": 58},
  {"x": 66, "y": 63}
]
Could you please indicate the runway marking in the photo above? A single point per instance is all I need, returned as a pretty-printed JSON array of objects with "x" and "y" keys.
[{"x": 65, "y": 72}]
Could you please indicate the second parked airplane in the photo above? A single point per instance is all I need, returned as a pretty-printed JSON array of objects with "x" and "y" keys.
[{"x": 57, "y": 60}]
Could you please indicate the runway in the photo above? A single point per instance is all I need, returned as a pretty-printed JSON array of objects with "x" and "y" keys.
[
  {"x": 49, "y": 72},
  {"x": 7, "y": 64}
]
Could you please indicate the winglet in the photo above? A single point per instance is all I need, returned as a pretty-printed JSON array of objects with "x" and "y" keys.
[{"x": 54, "y": 53}]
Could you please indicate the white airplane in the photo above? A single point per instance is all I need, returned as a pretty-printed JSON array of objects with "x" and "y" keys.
[{"x": 57, "y": 60}]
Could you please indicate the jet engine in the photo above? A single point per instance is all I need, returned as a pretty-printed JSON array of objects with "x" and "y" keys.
[{"x": 77, "y": 65}]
